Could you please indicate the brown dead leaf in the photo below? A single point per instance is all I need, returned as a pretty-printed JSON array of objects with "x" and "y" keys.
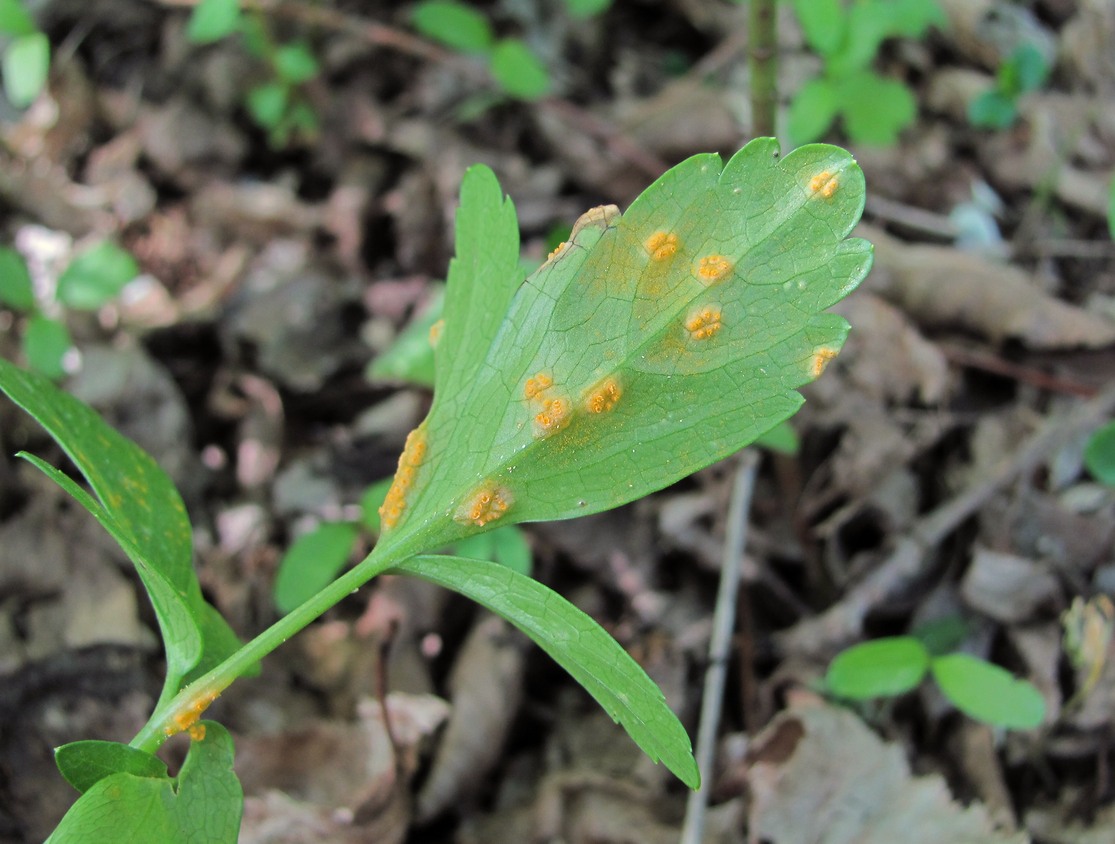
[
  {"x": 339, "y": 780},
  {"x": 819, "y": 775},
  {"x": 938, "y": 285},
  {"x": 486, "y": 688}
]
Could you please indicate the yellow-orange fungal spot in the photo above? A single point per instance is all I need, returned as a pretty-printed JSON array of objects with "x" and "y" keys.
[
  {"x": 713, "y": 268},
  {"x": 557, "y": 251},
  {"x": 604, "y": 396},
  {"x": 554, "y": 416},
  {"x": 537, "y": 385},
  {"x": 436, "y": 330},
  {"x": 704, "y": 323},
  {"x": 824, "y": 183},
  {"x": 186, "y": 720},
  {"x": 414, "y": 452},
  {"x": 820, "y": 360},
  {"x": 662, "y": 245},
  {"x": 485, "y": 505},
  {"x": 197, "y": 732}
]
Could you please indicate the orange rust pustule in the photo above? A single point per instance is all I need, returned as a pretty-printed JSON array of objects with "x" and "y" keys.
[
  {"x": 485, "y": 505},
  {"x": 604, "y": 396},
  {"x": 661, "y": 245},
  {"x": 414, "y": 452},
  {"x": 554, "y": 415},
  {"x": 825, "y": 184},
  {"x": 713, "y": 268},
  {"x": 186, "y": 720},
  {"x": 537, "y": 385},
  {"x": 820, "y": 360},
  {"x": 704, "y": 323}
]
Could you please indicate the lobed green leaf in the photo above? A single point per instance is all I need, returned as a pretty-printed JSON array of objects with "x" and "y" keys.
[
  {"x": 85, "y": 763},
  {"x": 139, "y": 505},
  {"x": 311, "y": 563},
  {"x": 202, "y": 805},
  {"x": 645, "y": 395}
]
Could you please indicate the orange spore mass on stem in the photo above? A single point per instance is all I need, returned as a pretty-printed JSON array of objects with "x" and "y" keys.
[
  {"x": 713, "y": 268},
  {"x": 662, "y": 245},
  {"x": 395, "y": 503},
  {"x": 485, "y": 505},
  {"x": 187, "y": 719},
  {"x": 704, "y": 323}
]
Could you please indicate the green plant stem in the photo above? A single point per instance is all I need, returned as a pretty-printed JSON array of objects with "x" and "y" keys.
[
  {"x": 208, "y": 686},
  {"x": 763, "y": 50}
]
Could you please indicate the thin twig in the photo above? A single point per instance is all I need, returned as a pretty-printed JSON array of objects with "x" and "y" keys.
[
  {"x": 720, "y": 643},
  {"x": 763, "y": 42},
  {"x": 908, "y": 562}
]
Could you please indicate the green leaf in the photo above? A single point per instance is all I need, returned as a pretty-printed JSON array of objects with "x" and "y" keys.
[
  {"x": 212, "y": 20},
  {"x": 138, "y": 504},
  {"x": 204, "y": 804},
  {"x": 579, "y": 645},
  {"x": 96, "y": 276},
  {"x": 454, "y": 25},
  {"x": 1111, "y": 209},
  {"x": 518, "y": 71},
  {"x": 85, "y": 763},
  {"x": 876, "y": 109},
  {"x": 882, "y": 668},
  {"x": 650, "y": 346},
  {"x": 25, "y": 65},
  {"x": 812, "y": 111},
  {"x": 312, "y": 562},
  {"x": 823, "y": 22},
  {"x": 782, "y": 438},
  {"x": 45, "y": 343},
  {"x": 267, "y": 103},
  {"x": 14, "y": 19},
  {"x": 1099, "y": 454},
  {"x": 584, "y": 9},
  {"x": 295, "y": 63},
  {"x": 411, "y": 356},
  {"x": 988, "y": 693},
  {"x": 1024, "y": 71},
  {"x": 911, "y": 18},
  {"x": 992, "y": 110},
  {"x": 16, "y": 289}
]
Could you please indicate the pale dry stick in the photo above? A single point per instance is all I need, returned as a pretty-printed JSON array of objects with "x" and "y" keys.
[
  {"x": 843, "y": 621},
  {"x": 723, "y": 624}
]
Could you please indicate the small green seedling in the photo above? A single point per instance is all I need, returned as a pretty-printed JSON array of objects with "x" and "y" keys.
[
  {"x": 277, "y": 105},
  {"x": 516, "y": 70},
  {"x": 1099, "y": 454},
  {"x": 898, "y": 664},
  {"x": 847, "y": 36},
  {"x": 1025, "y": 70},
  {"x": 92, "y": 279},
  {"x": 25, "y": 61},
  {"x": 648, "y": 346}
]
